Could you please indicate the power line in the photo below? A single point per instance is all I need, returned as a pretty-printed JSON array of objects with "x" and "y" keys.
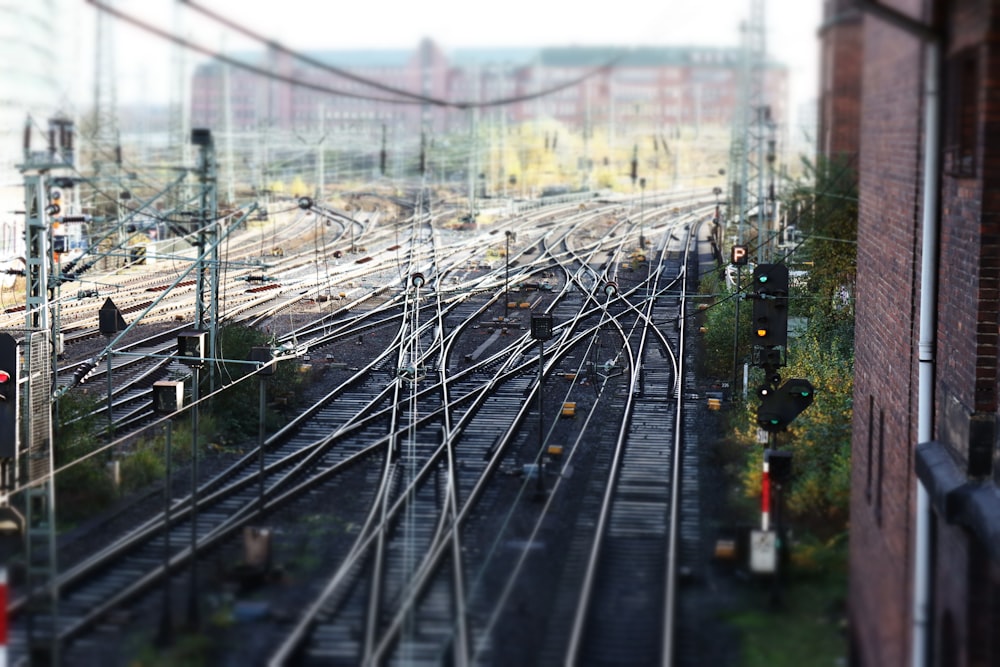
[
  {"x": 276, "y": 46},
  {"x": 408, "y": 97},
  {"x": 188, "y": 44}
]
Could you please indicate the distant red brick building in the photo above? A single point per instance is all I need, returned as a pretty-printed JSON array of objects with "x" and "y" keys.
[
  {"x": 840, "y": 94},
  {"x": 658, "y": 87},
  {"x": 925, "y": 510}
]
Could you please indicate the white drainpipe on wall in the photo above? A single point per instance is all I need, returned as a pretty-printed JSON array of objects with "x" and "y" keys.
[{"x": 927, "y": 343}]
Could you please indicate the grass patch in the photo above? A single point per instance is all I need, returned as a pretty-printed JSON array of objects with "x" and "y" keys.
[
  {"x": 189, "y": 650},
  {"x": 805, "y": 628}
]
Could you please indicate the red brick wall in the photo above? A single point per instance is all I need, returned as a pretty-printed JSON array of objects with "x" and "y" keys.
[
  {"x": 885, "y": 388},
  {"x": 964, "y": 307},
  {"x": 840, "y": 94},
  {"x": 968, "y": 331}
]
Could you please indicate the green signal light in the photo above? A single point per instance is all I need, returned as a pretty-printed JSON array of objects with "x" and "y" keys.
[{"x": 762, "y": 279}]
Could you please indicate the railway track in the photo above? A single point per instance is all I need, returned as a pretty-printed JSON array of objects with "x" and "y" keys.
[{"x": 438, "y": 441}]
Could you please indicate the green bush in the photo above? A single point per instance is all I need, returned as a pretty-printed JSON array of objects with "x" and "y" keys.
[
  {"x": 141, "y": 467},
  {"x": 719, "y": 320},
  {"x": 235, "y": 410},
  {"x": 86, "y": 487},
  {"x": 83, "y": 491}
]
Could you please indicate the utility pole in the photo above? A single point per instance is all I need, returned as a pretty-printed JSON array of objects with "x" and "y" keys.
[
  {"x": 503, "y": 150},
  {"x": 587, "y": 131},
  {"x": 106, "y": 157},
  {"x": 321, "y": 162},
  {"x": 747, "y": 155},
  {"x": 541, "y": 331},
  {"x": 180, "y": 117},
  {"x": 474, "y": 148},
  {"x": 34, "y": 462},
  {"x": 756, "y": 61},
  {"x": 746, "y": 143},
  {"x": 206, "y": 316},
  {"x": 227, "y": 113},
  {"x": 105, "y": 131}
]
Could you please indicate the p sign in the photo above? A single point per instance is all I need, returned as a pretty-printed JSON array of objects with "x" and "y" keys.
[{"x": 740, "y": 256}]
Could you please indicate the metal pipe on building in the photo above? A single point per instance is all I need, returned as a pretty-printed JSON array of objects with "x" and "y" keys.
[{"x": 927, "y": 344}]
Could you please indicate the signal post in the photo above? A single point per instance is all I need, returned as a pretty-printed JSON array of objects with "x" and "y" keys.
[{"x": 780, "y": 403}]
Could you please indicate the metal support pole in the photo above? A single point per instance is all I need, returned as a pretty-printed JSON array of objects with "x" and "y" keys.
[
  {"x": 506, "y": 278},
  {"x": 779, "y": 568},
  {"x": 765, "y": 497},
  {"x": 262, "y": 404},
  {"x": 541, "y": 420},
  {"x": 166, "y": 621},
  {"x": 642, "y": 211},
  {"x": 40, "y": 553},
  {"x": 193, "y": 615},
  {"x": 736, "y": 332},
  {"x": 207, "y": 315},
  {"x": 111, "y": 417}
]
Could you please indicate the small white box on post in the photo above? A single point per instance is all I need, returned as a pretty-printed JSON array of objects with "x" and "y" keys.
[{"x": 168, "y": 396}]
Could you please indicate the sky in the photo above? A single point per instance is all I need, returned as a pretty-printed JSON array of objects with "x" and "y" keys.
[{"x": 143, "y": 61}]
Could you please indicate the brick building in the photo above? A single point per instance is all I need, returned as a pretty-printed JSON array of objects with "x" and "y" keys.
[
  {"x": 840, "y": 95},
  {"x": 651, "y": 87},
  {"x": 925, "y": 508}
]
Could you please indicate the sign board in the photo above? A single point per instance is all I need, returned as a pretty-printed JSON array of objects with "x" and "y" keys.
[
  {"x": 763, "y": 551},
  {"x": 109, "y": 318},
  {"x": 739, "y": 255}
]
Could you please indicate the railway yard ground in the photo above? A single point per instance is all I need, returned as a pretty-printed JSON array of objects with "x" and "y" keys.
[
  {"x": 474, "y": 467},
  {"x": 739, "y": 620}
]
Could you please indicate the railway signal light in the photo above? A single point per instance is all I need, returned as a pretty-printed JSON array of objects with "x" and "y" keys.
[
  {"x": 541, "y": 326},
  {"x": 191, "y": 348},
  {"x": 769, "y": 415},
  {"x": 779, "y": 463},
  {"x": 262, "y": 355},
  {"x": 770, "y": 305},
  {"x": 9, "y": 421},
  {"x": 779, "y": 407},
  {"x": 800, "y": 393},
  {"x": 767, "y": 357},
  {"x": 168, "y": 396}
]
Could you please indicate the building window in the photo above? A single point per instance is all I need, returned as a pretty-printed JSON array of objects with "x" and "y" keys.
[
  {"x": 881, "y": 467},
  {"x": 870, "y": 463},
  {"x": 962, "y": 114}
]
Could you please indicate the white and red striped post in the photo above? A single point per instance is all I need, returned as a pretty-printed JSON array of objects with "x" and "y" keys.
[{"x": 765, "y": 497}]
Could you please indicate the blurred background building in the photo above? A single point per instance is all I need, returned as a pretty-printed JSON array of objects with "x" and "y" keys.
[{"x": 32, "y": 64}]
